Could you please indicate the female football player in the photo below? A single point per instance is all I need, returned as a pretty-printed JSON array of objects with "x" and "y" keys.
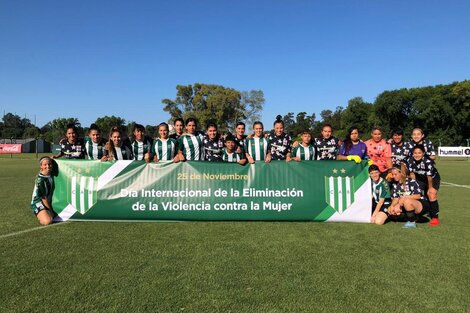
[
  {"x": 41, "y": 202},
  {"x": 352, "y": 149},
  {"x": 279, "y": 141},
  {"x": 304, "y": 151},
  {"x": 406, "y": 197},
  {"x": 212, "y": 144},
  {"x": 71, "y": 147},
  {"x": 423, "y": 170},
  {"x": 417, "y": 138},
  {"x": 116, "y": 149},
  {"x": 379, "y": 151},
  {"x": 190, "y": 144},
  {"x": 164, "y": 148},
  {"x": 257, "y": 147},
  {"x": 94, "y": 143}
]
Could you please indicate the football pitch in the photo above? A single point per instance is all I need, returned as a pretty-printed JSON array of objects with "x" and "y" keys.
[{"x": 232, "y": 266}]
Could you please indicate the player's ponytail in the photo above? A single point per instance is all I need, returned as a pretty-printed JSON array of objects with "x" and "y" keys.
[
  {"x": 278, "y": 120},
  {"x": 110, "y": 144},
  {"x": 404, "y": 174}
]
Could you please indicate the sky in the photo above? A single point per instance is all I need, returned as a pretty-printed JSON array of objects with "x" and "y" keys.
[{"x": 88, "y": 59}]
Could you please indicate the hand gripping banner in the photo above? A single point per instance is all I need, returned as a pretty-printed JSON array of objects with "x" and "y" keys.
[{"x": 133, "y": 190}]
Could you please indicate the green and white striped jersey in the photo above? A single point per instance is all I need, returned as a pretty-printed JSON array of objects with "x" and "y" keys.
[
  {"x": 164, "y": 149},
  {"x": 257, "y": 148},
  {"x": 43, "y": 187},
  {"x": 191, "y": 146},
  {"x": 304, "y": 153},
  {"x": 94, "y": 151},
  {"x": 381, "y": 190},
  {"x": 140, "y": 148},
  {"x": 231, "y": 157},
  {"x": 121, "y": 153}
]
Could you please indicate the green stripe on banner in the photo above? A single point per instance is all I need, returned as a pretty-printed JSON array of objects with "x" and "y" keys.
[
  {"x": 83, "y": 193},
  {"x": 135, "y": 190}
]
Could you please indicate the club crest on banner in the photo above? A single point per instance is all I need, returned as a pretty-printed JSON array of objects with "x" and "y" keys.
[
  {"x": 82, "y": 194},
  {"x": 84, "y": 182},
  {"x": 339, "y": 191}
]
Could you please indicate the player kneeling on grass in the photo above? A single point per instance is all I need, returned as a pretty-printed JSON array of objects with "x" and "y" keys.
[
  {"x": 407, "y": 196},
  {"x": 41, "y": 202},
  {"x": 381, "y": 197}
]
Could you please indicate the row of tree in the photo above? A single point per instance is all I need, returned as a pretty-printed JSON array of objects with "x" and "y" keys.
[
  {"x": 442, "y": 111},
  {"x": 54, "y": 130},
  {"x": 221, "y": 105}
]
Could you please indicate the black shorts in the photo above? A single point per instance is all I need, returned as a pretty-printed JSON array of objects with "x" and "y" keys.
[
  {"x": 384, "y": 207},
  {"x": 426, "y": 206},
  {"x": 436, "y": 181}
]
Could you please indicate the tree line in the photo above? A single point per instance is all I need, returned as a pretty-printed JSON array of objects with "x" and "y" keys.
[
  {"x": 442, "y": 111},
  {"x": 206, "y": 102}
]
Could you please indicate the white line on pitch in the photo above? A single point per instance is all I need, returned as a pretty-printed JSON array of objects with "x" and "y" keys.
[
  {"x": 455, "y": 185},
  {"x": 29, "y": 230}
]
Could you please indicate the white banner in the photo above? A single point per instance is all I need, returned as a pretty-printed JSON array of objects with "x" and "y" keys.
[{"x": 454, "y": 152}]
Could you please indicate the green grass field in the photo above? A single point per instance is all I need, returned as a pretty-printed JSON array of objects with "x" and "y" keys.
[{"x": 232, "y": 266}]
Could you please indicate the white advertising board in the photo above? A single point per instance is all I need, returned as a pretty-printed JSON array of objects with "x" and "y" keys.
[{"x": 454, "y": 152}]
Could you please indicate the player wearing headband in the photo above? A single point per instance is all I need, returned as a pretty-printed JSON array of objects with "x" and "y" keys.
[
  {"x": 407, "y": 197},
  {"x": 41, "y": 201}
]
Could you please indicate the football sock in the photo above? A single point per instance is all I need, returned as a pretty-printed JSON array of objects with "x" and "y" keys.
[
  {"x": 411, "y": 216},
  {"x": 434, "y": 209}
]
